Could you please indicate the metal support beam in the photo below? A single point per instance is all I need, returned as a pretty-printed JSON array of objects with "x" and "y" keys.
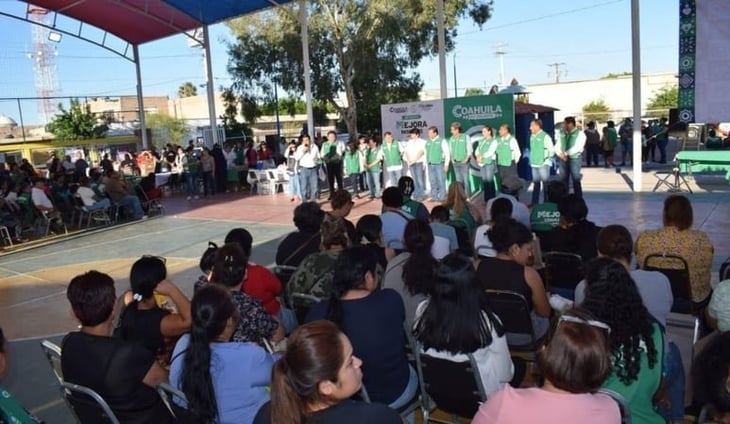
[
  {"x": 209, "y": 86},
  {"x": 636, "y": 80},
  {"x": 22, "y": 124},
  {"x": 441, "y": 45},
  {"x": 303, "y": 18},
  {"x": 140, "y": 98}
]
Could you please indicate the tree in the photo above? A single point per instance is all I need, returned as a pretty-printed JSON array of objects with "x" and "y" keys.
[
  {"x": 187, "y": 89},
  {"x": 664, "y": 99},
  {"x": 77, "y": 123},
  {"x": 597, "y": 110},
  {"x": 472, "y": 91},
  {"x": 612, "y": 75},
  {"x": 232, "y": 127},
  {"x": 367, "y": 50},
  {"x": 176, "y": 128}
]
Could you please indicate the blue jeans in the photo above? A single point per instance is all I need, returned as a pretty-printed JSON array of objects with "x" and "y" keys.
[
  {"x": 461, "y": 172},
  {"x": 487, "y": 172},
  {"x": 101, "y": 204},
  {"x": 134, "y": 203},
  {"x": 352, "y": 181},
  {"x": 391, "y": 178},
  {"x": 437, "y": 179},
  {"x": 294, "y": 188},
  {"x": 309, "y": 180},
  {"x": 191, "y": 187},
  {"x": 570, "y": 169},
  {"x": 662, "y": 145},
  {"x": 674, "y": 379},
  {"x": 419, "y": 180},
  {"x": 208, "y": 183},
  {"x": 374, "y": 183},
  {"x": 540, "y": 174}
]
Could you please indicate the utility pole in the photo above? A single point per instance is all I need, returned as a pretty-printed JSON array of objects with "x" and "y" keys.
[
  {"x": 557, "y": 70},
  {"x": 501, "y": 52},
  {"x": 456, "y": 90}
]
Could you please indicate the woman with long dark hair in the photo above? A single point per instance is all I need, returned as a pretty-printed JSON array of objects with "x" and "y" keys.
[
  {"x": 410, "y": 272},
  {"x": 315, "y": 379},
  {"x": 455, "y": 321},
  {"x": 377, "y": 338},
  {"x": 223, "y": 381},
  {"x": 636, "y": 339}
]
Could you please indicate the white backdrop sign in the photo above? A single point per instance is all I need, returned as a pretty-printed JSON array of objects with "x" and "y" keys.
[{"x": 400, "y": 118}]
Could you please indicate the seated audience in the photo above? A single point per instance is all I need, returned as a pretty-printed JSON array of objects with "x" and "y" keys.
[
  {"x": 314, "y": 274},
  {"x": 315, "y": 379},
  {"x": 223, "y": 381},
  {"x": 711, "y": 380},
  {"x": 370, "y": 234},
  {"x": 145, "y": 321},
  {"x": 125, "y": 374},
  {"x": 305, "y": 240},
  {"x": 207, "y": 259},
  {"x": 441, "y": 228},
  {"x": 43, "y": 203},
  {"x": 574, "y": 365},
  {"x": 718, "y": 310},
  {"x": 677, "y": 237},
  {"x": 545, "y": 216},
  {"x": 377, "y": 338},
  {"x": 460, "y": 211},
  {"x": 254, "y": 324},
  {"x": 636, "y": 339},
  {"x": 410, "y": 206},
  {"x": 575, "y": 234},
  {"x": 501, "y": 209},
  {"x": 341, "y": 202},
  {"x": 91, "y": 200},
  {"x": 410, "y": 273},
  {"x": 455, "y": 320},
  {"x": 117, "y": 189},
  {"x": 513, "y": 243},
  {"x": 394, "y": 218},
  {"x": 511, "y": 186}
]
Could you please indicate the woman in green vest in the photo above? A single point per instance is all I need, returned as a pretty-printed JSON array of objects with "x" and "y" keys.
[
  {"x": 508, "y": 152},
  {"x": 542, "y": 151},
  {"x": 352, "y": 167},
  {"x": 609, "y": 140},
  {"x": 373, "y": 159},
  {"x": 485, "y": 154}
]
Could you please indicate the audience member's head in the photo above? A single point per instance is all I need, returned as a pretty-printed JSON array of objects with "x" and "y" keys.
[
  {"x": 511, "y": 238},
  {"x": 614, "y": 241},
  {"x": 342, "y": 202},
  {"x": 334, "y": 233},
  {"x": 392, "y": 198},
  {"x": 456, "y": 199},
  {"x": 229, "y": 267},
  {"x": 711, "y": 377},
  {"x": 572, "y": 208},
  {"x": 92, "y": 297},
  {"x": 242, "y": 238},
  {"x": 677, "y": 212},
  {"x": 318, "y": 368},
  {"x": 439, "y": 214},
  {"x": 501, "y": 208},
  {"x": 578, "y": 357},
  {"x": 511, "y": 184},
  {"x": 418, "y": 269},
  {"x": 146, "y": 273},
  {"x": 406, "y": 186},
  {"x": 370, "y": 227},
  {"x": 208, "y": 258},
  {"x": 355, "y": 268},
  {"x": 308, "y": 217},
  {"x": 556, "y": 190}
]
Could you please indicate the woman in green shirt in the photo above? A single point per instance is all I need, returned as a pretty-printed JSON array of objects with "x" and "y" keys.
[
  {"x": 485, "y": 154},
  {"x": 353, "y": 159}
]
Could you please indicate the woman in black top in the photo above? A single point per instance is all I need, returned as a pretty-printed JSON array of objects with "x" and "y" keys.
[{"x": 315, "y": 379}]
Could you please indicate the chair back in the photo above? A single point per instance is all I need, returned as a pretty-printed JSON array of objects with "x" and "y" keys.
[
  {"x": 623, "y": 405},
  {"x": 562, "y": 270},
  {"x": 53, "y": 355},
  {"x": 168, "y": 393},
  {"x": 514, "y": 311},
  {"x": 301, "y": 303},
  {"x": 87, "y": 405},
  {"x": 284, "y": 273},
  {"x": 463, "y": 237},
  {"x": 676, "y": 269},
  {"x": 683, "y": 330},
  {"x": 455, "y": 387}
]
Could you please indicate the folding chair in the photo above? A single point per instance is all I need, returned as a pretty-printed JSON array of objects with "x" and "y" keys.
[
  {"x": 44, "y": 222},
  {"x": 149, "y": 205},
  {"x": 277, "y": 180},
  {"x": 514, "y": 312},
  {"x": 284, "y": 273},
  {"x": 455, "y": 387},
  {"x": 265, "y": 183},
  {"x": 404, "y": 410},
  {"x": 97, "y": 215},
  {"x": 168, "y": 393},
  {"x": 677, "y": 271},
  {"x": 301, "y": 303},
  {"x": 563, "y": 271},
  {"x": 5, "y": 236},
  {"x": 87, "y": 405},
  {"x": 53, "y": 355},
  {"x": 463, "y": 237},
  {"x": 623, "y": 405}
]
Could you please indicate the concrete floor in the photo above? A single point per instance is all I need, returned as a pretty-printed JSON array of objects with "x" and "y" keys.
[{"x": 33, "y": 282}]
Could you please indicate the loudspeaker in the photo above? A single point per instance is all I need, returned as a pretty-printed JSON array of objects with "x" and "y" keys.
[{"x": 675, "y": 125}]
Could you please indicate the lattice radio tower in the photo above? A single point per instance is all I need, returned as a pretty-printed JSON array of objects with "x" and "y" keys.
[{"x": 45, "y": 71}]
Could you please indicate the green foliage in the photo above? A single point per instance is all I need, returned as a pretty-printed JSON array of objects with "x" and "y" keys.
[
  {"x": 77, "y": 123},
  {"x": 612, "y": 75},
  {"x": 597, "y": 110},
  {"x": 232, "y": 127},
  {"x": 187, "y": 89},
  {"x": 472, "y": 91},
  {"x": 176, "y": 128},
  {"x": 664, "y": 99},
  {"x": 364, "y": 49}
]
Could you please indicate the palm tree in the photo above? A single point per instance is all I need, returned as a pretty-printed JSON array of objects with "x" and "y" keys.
[{"x": 188, "y": 89}]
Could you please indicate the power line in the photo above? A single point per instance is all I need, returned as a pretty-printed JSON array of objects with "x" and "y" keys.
[{"x": 557, "y": 66}]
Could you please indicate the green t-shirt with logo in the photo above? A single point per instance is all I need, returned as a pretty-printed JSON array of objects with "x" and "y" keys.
[{"x": 544, "y": 216}]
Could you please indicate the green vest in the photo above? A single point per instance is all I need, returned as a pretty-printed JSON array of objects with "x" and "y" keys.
[
  {"x": 457, "y": 148},
  {"x": 370, "y": 158},
  {"x": 391, "y": 154},
  {"x": 537, "y": 148},
  {"x": 352, "y": 163},
  {"x": 482, "y": 147},
  {"x": 612, "y": 137},
  {"x": 504, "y": 152},
  {"x": 328, "y": 152},
  {"x": 567, "y": 141},
  {"x": 434, "y": 153}
]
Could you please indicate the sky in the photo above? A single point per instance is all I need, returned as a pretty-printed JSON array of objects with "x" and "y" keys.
[{"x": 588, "y": 38}]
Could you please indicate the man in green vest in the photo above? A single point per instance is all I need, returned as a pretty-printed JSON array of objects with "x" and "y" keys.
[
  {"x": 392, "y": 160},
  {"x": 331, "y": 153},
  {"x": 459, "y": 151},
  {"x": 437, "y": 158},
  {"x": 508, "y": 152},
  {"x": 569, "y": 150},
  {"x": 609, "y": 140},
  {"x": 485, "y": 154},
  {"x": 542, "y": 151}
]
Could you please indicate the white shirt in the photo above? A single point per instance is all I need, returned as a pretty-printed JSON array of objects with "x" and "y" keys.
[
  {"x": 415, "y": 151},
  {"x": 577, "y": 147},
  {"x": 40, "y": 199},
  {"x": 520, "y": 212},
  {"x": 87, "y": 195},
  {"x": 307, "y": 159},
  {"x": 230, "y": 157}
]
